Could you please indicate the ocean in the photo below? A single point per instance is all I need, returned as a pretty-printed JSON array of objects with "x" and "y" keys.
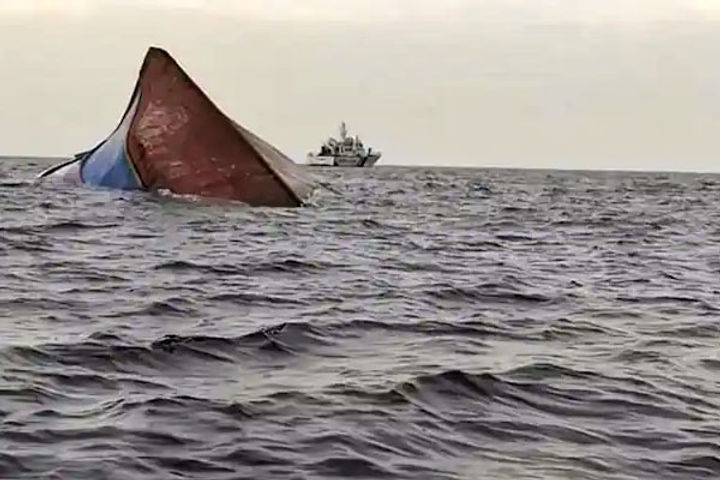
[{"x": 410, "y": 323}]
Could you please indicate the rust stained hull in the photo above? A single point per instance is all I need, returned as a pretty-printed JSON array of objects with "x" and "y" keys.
[{"x": 175, "y": 138}]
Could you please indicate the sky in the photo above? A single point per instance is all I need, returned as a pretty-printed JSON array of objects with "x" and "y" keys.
[{"x": 592, "y": 84}]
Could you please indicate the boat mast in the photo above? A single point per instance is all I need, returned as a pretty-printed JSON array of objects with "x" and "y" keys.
[{"x": 343, "y": 131}]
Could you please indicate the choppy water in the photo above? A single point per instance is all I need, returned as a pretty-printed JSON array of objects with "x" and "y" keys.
[{"x": 413, "y": 324}]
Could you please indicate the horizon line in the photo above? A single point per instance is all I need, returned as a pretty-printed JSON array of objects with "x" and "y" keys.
[{"x": 437, "y": 166}]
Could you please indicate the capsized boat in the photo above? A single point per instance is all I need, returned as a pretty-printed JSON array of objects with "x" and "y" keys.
[{"x": 172, "y": 137}]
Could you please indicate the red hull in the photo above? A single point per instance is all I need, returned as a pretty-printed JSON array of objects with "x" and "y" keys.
[{"x": 180, "y": 141}]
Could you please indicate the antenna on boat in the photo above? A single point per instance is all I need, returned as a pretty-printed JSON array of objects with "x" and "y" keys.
[{"x": 343, "y": 131}]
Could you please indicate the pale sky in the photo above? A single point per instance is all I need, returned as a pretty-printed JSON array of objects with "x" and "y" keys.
[{"x": 629, "y": 84}]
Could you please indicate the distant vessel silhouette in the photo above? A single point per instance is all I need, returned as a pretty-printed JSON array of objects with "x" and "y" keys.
[{"x": 348, "y": 151}]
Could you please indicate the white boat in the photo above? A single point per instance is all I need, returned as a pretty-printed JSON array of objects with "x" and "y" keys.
[{"x": 348, "y": 151}]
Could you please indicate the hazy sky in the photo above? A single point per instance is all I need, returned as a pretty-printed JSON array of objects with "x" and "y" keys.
[{"x": 629, "y": 84}]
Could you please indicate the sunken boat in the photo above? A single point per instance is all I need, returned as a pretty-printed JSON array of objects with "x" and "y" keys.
[{"x": 173, "y": 137}]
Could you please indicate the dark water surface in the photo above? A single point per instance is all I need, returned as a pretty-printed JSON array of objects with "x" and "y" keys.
[{"x": 415, "y": 324}]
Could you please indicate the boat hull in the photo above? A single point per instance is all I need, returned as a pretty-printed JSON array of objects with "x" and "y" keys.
[
  {"x": 320, "y": 160},
  {"x": 66, "y": 172},
  {"x": 371, "y": 160},
  {"x": 343, "y": 161},
  {"x": 173, "y": 137}
]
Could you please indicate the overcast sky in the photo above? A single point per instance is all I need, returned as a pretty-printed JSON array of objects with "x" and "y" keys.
[{"x": 631, "y": 84}]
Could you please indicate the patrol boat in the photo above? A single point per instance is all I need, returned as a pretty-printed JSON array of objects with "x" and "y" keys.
[{"x": 348, "y": 151}]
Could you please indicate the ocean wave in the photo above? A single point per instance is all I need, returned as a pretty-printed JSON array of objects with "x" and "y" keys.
[
  {"x": 488, "y": 292},
  {"x": 424, "y": 323}
]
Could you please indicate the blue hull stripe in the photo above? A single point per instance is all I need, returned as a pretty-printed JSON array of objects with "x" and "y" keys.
[{"x": 108, "y": 165}]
